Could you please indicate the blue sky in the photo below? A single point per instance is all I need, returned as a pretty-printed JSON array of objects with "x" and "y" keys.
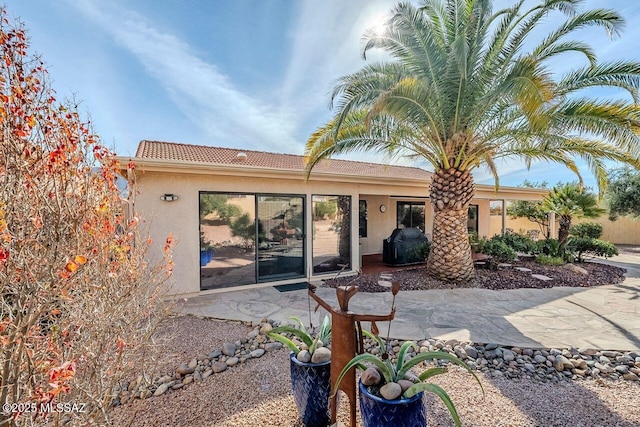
[{"x": 251, "y": 74}]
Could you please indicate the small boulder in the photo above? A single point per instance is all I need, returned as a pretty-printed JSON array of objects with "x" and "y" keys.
[{"x": 575, "y": 269}]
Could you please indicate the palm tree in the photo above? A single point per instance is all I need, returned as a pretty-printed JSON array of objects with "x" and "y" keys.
[
  {"x": 569, "y": 201},
  {"x": 468, "y": 87}
]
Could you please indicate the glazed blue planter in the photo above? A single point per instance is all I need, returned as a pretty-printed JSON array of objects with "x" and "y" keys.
[
  {"x": 206, "y": 256},
  {"x": 378, "y": 412},
  {"x": 311, "y": 384}
]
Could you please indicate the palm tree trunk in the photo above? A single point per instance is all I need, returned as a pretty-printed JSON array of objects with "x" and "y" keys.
[
  {"x": 450, "y": 256},
  {"x": 563, "y": 229}
]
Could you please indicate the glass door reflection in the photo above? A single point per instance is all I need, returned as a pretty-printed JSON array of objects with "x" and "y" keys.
[{"x": 280, "y": 230}]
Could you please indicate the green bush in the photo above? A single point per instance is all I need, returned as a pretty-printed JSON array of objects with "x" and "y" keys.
[
  {"x": 549, "y": 260},
  {"x": 588, "y": 230},
  {"x": 499, "y": 250},
  {"x": 517, "y": 242},
  {"x": 596, "y": 247},
  {"x": 477, "y": 242},
  {"x": 325, "y": 209},
  {"x": 419, "y": 252},
  {"x": 550, "y": 247}
]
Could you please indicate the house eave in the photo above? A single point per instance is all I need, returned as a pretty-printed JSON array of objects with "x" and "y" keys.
[{"x": 201, "y": 168}]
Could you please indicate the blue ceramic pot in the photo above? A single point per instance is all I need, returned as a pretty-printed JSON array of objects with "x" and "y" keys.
[
  {"x": 311, "y": 384},
  {"x": 378, "y": 412},
  {"x": 205, "y": 257}
]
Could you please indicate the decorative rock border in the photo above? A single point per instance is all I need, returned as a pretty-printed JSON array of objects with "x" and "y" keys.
[
  {"x": 253, "y": 346},
  {"x": 497, "y": 361},
  {"x": 538, "y": 364}
]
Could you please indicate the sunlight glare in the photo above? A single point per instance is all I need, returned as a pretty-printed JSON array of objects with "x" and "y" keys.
[{"x": 378, "y": 24}]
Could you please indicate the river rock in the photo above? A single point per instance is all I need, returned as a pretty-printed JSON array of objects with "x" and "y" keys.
[
  {"x": 162, "y": 389},
  {"x": 321, "y": 355},
  {"x": 371, "y": 376},
  {"x": 405, "y": 384},
  {"x": 257, "y": 352},
  {"x": 508, "y": 355},
  {"x": 232, "y": 361},
  {"x": 304, "y": 356},
  {"x": 391, "y": 391},
  {"x": 272, "y": 346},
  {"x": 265, "y": 328},
  {"x": 229, "y": 349},
  {"x": 184, "y": 369},
  {"x": 561, "y": 363},
  {"x": 471, "y": 351},
  {"x": 218, "y": 367}
]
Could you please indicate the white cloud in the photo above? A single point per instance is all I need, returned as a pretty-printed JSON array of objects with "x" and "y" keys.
[
  {"x": 199, "y": 89},
  {"x": 326, "y": 46}
]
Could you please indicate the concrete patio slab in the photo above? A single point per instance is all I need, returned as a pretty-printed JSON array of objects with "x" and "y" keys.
[{"x": 605, "y": 317}]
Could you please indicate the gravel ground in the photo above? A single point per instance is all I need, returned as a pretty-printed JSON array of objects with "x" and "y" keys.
[
  {"x": 257, "y": 393},
  {"x": 508, "y": 278}
]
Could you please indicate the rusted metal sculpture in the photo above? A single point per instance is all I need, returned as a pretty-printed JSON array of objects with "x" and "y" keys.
[{"x": 347, "y": 339}]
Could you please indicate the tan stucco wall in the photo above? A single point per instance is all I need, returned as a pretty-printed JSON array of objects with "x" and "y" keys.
[
  {"x": 377, "y": 223},
  {"x": 181, "y": 217},
  {"x": 622, "y": 231}
]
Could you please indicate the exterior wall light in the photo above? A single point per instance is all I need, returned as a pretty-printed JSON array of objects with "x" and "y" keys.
[{"x": 169, "y": 197}]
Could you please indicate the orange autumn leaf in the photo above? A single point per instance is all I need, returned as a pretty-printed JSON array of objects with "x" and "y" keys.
[
  {"x": 80, "y": 259},
  {"x": 72, "y": 266}
]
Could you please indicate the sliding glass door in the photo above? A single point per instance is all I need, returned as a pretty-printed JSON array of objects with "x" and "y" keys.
[
  {"x": 227, "y": 240},
  {"x": 280, "y": 229}
]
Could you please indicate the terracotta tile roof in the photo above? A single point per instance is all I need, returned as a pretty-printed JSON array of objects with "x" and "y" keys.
[{"x": 229, "y": 156}]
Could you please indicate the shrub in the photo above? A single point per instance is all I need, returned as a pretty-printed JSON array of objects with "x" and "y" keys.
[
  {"x": 325, "y": 209},
  {"x": 499, "y": 251},
  {"x": 477, "y": 242},
  {"x": 549, "y": 260},
  {"x": 517, "y": 242},
  {"x": 550, "y": 247},
  {"x": 589, "y": 230},
  {"x": 419, "y": 252},
  {"x": 595, "y": 247},
  {"x": 80, "y": 299}
]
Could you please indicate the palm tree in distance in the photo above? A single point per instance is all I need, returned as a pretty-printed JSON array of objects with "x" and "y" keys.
[
  {"x": 468, "y": 87},
  {"x": 570, "y": 201}
]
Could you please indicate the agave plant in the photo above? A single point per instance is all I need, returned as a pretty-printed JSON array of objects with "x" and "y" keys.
[
  {"x": 321, "y": 339},
  {"x": 394, "y": 372}
]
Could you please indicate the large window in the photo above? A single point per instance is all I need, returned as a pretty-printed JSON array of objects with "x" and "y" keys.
[
  {"x": 331, "y": 233},
  {"x": 410, "y": 214}
]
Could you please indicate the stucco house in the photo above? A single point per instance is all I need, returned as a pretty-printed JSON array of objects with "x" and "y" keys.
[{"x": 250, "y": 218}]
